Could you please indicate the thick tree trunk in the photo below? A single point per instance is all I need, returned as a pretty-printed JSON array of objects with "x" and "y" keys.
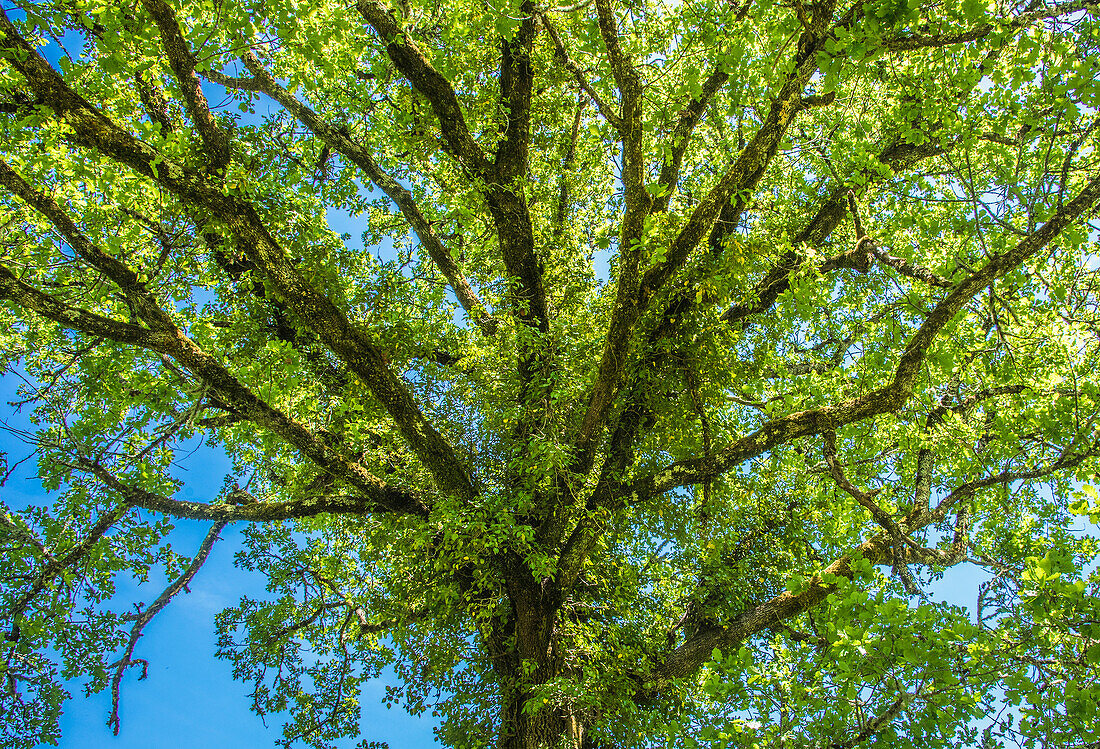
[
  {"x": 524, "y": 659},
  {"x": 537, "y": 729}
]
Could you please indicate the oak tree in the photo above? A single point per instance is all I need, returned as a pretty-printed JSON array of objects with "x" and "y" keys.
[{"x": 687, "y": 344}]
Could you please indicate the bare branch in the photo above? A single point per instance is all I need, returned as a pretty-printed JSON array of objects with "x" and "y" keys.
[{"x": 146, "y": 616}]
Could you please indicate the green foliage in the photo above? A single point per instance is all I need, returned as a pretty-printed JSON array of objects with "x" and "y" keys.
[{"x": 681, "y": 352}]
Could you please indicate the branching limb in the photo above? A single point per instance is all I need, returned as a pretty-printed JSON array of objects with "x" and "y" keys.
[
  {"x": 137, "y": 295},
  {"x": 414, "y": 65},
  {"x": 55, "y": 565},
  {"x": 922, "y": 482},
  {"x": 146, "y": 616},
  {"x": 689, "y": 117},
  {"x": 507, "y": 204},
  {"x": 738, "y": 180},
  {"x": 886, "y": 399},
  {"x": 165, "y": 338},
  {"x": 1071, "y": 153},
  {"x": 880, "y": 722},
  {"x": 955, "y": 553},
  {"x": 908, "y": 269},
  {"x": 892, "y": 396},
  {"x": 339, "y": 139},
  {"x": 626, "y": 310},
  {"x": 897, "y": 155},
  {"x": 965, "y": 491},
  {"x": 633, "y": 295},
  {"x": 387, "y": 499},
  {"x": 866, "y": 244},
  {"x": 626, "y": 76},
  {"x": 876, "y": 550},
  {"x": 31, "y": 299},
  {"x": 681, "y": 136},
  {"x": 909, "y": 42},
  {"x": 866, "y": 500},
  {"x": 215, "y": 140},
  {"x": 582, "y": 80}
]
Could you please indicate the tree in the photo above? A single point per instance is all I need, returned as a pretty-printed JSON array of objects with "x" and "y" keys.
[{"x": 703, "y": 339}]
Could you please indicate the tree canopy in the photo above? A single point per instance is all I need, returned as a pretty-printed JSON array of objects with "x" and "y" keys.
[{"x": 686, "y": 345}]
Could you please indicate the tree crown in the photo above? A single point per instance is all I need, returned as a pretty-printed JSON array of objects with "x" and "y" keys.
[{"x": 683, "y": 347}]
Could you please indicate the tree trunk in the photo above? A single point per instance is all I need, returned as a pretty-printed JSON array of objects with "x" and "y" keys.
[{"x": 524, "y": 659}]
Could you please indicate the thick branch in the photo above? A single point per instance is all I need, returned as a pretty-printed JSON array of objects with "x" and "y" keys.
[
  {"x": 637, "y": 201},
  {"x": 626, "y": 76},
  {"x": 428, "y": 81},
  {"x": 388, "y": 499},
  {"x": 689, "y": 117},
  {"x": 886, "y": 399},
  {"x": 899, "y": 156},
  {"x": 634, "y": 294},
  {"x": 741, "y": 178},
  {"x": 516, "y": 79},
  {"x": 687, "y": 658},
  {"x": 889, "y": 397},
  {"x": 506, "y": 202},
  {"x": 214, "y": 138},
  {"x": 31, "y": 299},
  {"x": 244, "y": 402},
  {"x": 681, "y": 135},
  {"x": 162, "y": 336},
  {"x": 867, "y": 501}
]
